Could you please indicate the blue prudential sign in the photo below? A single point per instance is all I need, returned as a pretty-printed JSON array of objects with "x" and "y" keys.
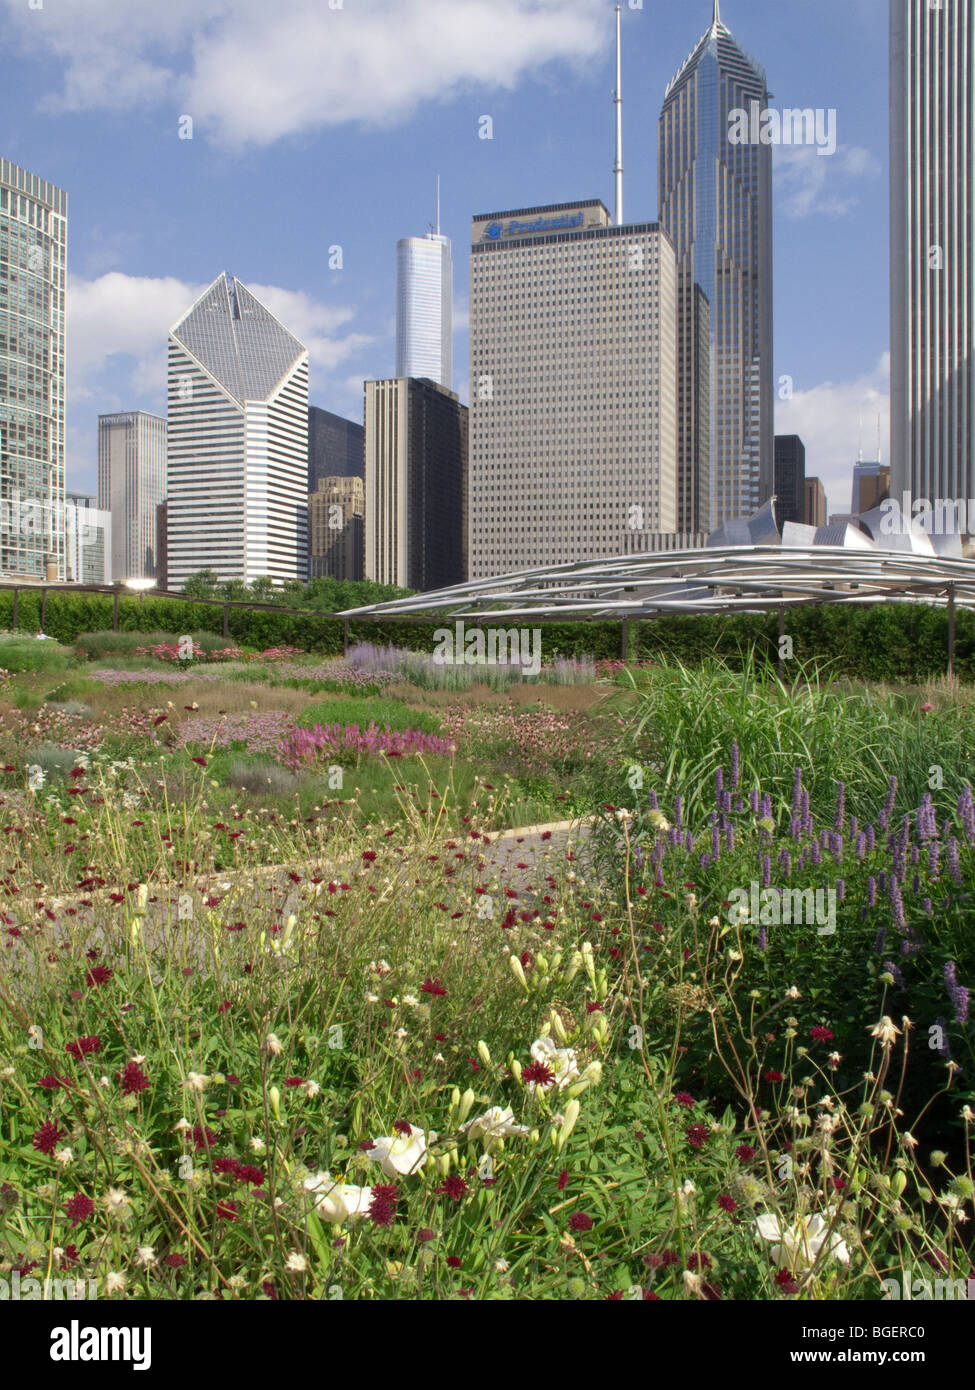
[{"x": 496, "y": 230}]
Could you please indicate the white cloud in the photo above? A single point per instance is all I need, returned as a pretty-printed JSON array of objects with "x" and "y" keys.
[
  {"x": 250, "y": 73},
  {"x": 826, "y": 418},
  {"x": 808, "y": 183}
]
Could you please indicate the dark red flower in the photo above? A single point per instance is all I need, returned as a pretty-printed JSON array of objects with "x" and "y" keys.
[
  {"x": 454, "y": 1261},
  {"x": 745, "y": 1152},
  {"x": 382, "y": 1208},
  {"x": 79, "y": 1208},
  {"x": 432, "y": 987},
  {"x": 563, "y": 1179},
  {"x": 786, "y": 1282},
  {"x": 727, "y": 1203},
  {"x": 684, "y": 1098},
  {"x": 203, "y": 1138},
  {"x": 201, "y": 761},
  {"x": 773, "y": 1076},
  {"x": 82, "y": 1047},
  {"x": 369, "y": 855},
  {"x": 46, "y": 1138},
  {"x": 402, "y": 1127},
  {"x": 295, "y": 1081},
  {"x": 175, "y": 1261},
  {"x": 579, "y": 1221},
  {"x": 53, "y": 1083},
  {"x": 133, "y": 1079},
  {"x": 69, "y": 1256},
  {"x": 538, "y": 1073},
  {"x": 819, "y": 1034},
  {"x": 98, "y": 975},
  {"x": 698, "y": 1261},
  {"x": 425, "y": 1234},
  {"x": 227, "y": 1211},
  {"x": 697, "y": 1136},
  {"x": 453, "y": 1186}
]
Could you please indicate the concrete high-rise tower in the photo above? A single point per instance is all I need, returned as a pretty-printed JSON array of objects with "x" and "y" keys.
[
  {"x": 237, "y": 449},
  {"x": 131, "y": 485},
  {"x": 932, "y": 249},
  {"x": 715, "y": 199},
  {"x": 424, "y": 306},
  {"x": 33, "y": 267}
]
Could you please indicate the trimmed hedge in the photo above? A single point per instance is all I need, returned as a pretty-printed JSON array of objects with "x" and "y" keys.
[{"x": 894, "y": 642}]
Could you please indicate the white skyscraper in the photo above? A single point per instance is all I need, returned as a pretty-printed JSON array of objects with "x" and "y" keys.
[
  {"x": 424, "y": 307},
  {"x": 932, "y": 246},
  {"x": 131, "y": 484},
  {"x": 237, "y": 451}
]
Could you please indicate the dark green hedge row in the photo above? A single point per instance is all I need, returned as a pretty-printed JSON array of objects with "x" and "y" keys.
[{"x": 897, "y": 642}]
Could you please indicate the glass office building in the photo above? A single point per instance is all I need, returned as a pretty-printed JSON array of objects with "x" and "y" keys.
[
  {"x": 715, "y": 200},
  {"x": 131, "y": 485},
  {"x": 424, "y": 309},
  {"x": 33, "y": 262}
]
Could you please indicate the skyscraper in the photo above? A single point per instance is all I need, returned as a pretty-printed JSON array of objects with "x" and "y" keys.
[
  {"x": 415, "y": 484},
  {"x": 33, "y": 266},
  {"x": 237, "y": 452},
  {"x": 715, "y": 200},
  {"x": 932, "y": 249},
  {"x": 131, "y": 485},
  {"x": 573, "y": 388},
  {"x": 336, "y": 516},
  {"x": 424, "y": 307},
  {"x": 335, "y": 447},
  {"x": 790, "y": 478},
  {"x": 88, "y": 540},
  {"x": 815, "y": 504}
]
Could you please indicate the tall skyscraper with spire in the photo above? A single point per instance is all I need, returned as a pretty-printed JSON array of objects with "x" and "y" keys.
[
  {"x": 715, "y": 200},
  {"x": 237, "y": 442},
  {"x": 424, "y": 306},
  {"x": 932, "y": 249}
]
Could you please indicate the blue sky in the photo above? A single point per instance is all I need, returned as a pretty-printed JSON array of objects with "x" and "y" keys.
[{"x": 324, "y": 122}]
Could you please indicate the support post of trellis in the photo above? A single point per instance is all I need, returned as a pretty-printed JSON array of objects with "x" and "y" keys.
[{"x": 951, "y": 631}]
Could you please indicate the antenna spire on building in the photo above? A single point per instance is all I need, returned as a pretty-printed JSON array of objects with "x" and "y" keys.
[
  {"x": 618, "y": 100},
  {"x": 716, "y": 19}
]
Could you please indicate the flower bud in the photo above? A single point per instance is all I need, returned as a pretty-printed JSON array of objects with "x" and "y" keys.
[
  {"x": 899, "y": 1183},
  {"x": 274, "y": 1096},
  {"x": 518, "y": 970},
  {"x": 484, "y": 1053},
  {"x": 516, "y": 1070},
  {"x": 569, "y": 1123},
  {"x": 466, "y": 1102},
  {"x": 558, "y": 1029},
  {"x": 589, "y": 963},
  {"x": 574, "y": 966},
  {"x": 938, "y": 1159}
]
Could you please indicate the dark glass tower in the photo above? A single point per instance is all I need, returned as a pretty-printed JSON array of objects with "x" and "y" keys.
[{"x": 715, "y": 201}]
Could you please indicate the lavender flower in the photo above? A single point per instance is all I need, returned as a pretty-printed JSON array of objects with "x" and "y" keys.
[
  {"x": 966, "y": 810},
  {"x": 839, "y": 816},
  {"x": 766, "y": 871},
  {"x": 892, "y": 969},
  {"x": 954, "y": 868},
  {"x": 871, "y": 891},
  {"x": 861, "y": 847},
  {"x": 785, "y": 863},
  {"x": 957, "y": 993}
]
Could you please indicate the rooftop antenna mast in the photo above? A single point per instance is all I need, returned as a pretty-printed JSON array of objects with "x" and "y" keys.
[
  {"x": 717, "y": 13},
  {"x": 618, "y": 100}
]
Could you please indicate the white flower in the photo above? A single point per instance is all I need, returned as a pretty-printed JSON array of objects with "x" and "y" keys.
[
  {"x": 296, "y": 1263},
  {"x": 380, "y": 967},
  {"x": 64, "y": 1157},
  {"x": 410, "y": 1001},
  {"x": 493, "y": 1124},
  {"x": 400, "y": 1153},
  {"x": 35, "y": 778},
  {"x": 561, "y": 1060},
  {"x": 258, "y": 1146},
  {"x": 502, "y": 1266},
  {"x": 311, "y": 1089},
  {"x": 336, "y": 1199},
  {"x": 145, "y": 1256},
  {"x": 115, "y": 1283},
  {"x": 885, "y": 1032},
  {"x": 797, "y": 1246},
  {"x": 371, "y": 998},
  {"x": 117, "y": 1202},
  {"x": 273, "y": 1044},
  {"x": 196, "y": 1081},
  {"x": 793, "y": 993}
]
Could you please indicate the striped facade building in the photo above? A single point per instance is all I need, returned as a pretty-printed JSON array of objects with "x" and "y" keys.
[
  {"x": 237, "y": 447},
  {"x": 131, "y": 485},
  {"x": 932, "y": 249}
]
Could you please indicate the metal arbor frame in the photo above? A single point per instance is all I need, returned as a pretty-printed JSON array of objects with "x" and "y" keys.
[{"x": 732, "y": 579}]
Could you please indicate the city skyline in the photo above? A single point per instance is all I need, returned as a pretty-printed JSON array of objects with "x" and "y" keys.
[{"x": 552, "y": 139}]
